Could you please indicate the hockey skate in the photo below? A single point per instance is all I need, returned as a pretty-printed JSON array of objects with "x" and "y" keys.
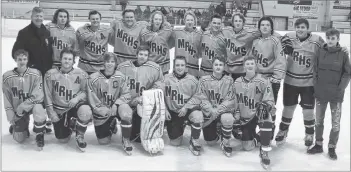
[
  {"x": 195, "y": 146},
  {"x": 308, "y": 140},
  {"x": 81, "y": 144},
  {"x": 265, "y": 161},
  {"x": 280, "y": 138},
  {"x": 226, "y": 148},
  {"x": 127, "y": 146},
  {"x": 40, "y": 141}
]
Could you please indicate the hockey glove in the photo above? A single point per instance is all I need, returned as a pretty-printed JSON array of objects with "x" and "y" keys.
[
  {"x": 287, "y": 45},
  {"x": 263, "y": 110}
]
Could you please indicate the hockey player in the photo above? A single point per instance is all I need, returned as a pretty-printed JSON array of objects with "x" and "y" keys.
[
  {"x": 180, "y": 87},
  {"x": 93, "y": 43},
  {"x": 254, "y": 103},
  {"x": 109, "y": 96},
  {"x": 299, "y": 80},
  {"x": 216, "y": 92},
  {"x": 332, "y": 74},
  {"x": 125, "y": 35},
  {"x": 156, "y": 37},
  {"x": 186, "y": 42},
  {"x": 62, "y": 35},
  {"x": 270, "y": 58},
  {"x": 212, "y": 45},
  {"x": 23, "y": 95},
  {"x": 66, "y": 99},
  {"x": 142, "y": 74}
]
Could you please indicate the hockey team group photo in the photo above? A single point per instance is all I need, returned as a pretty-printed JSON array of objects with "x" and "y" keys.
[{"x": 175, "y": 85}]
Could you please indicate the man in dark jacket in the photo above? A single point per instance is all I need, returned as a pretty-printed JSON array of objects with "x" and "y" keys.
[
  {"x": 332, "y": 75},
  {"x": 34, "y": 38}
]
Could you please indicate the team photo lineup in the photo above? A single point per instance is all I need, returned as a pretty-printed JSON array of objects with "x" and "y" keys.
[{"x": 224, "y": 83}]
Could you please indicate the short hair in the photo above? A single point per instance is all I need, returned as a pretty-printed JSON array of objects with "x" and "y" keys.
[
  {"x": 68, "y": 50},
  {"x": 143, "y": 48},
  {"x": 93, "y": 12},
  {"x": 128, "y": 11},
  {"x": 241, "y": 16},
  {"x": 220, "y": 58},
  {"x": 217, "y": 16},
  {"x": 37, "y": 10},
  {"x": 108, "y": 56},
  {"x": 54, "y": 19},
  {"x": 302, "y": 21},
  {"x": 20, "y": 52},
  {"x": 332, "y": 32},
  {"x": 249, "y": 57},
  {"x": 266, "y": 18},
  {"x": 179, "y": 58}
]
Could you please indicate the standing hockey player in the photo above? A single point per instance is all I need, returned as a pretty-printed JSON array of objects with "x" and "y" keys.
[
  {"x": 270, "y": 58},
  {"x": 299, "y": 80},
  {"x": 254, "y": 104},
  {"x": 180, "y": 87},
  {"x": 66, "y": 99},
  {"x": 186, "y": 42},
  {"x": 156, "y": 37},
  {"x": 109, "y": 96},
  {"x": 62, "y": 35},
  {"x": 125, "y": 35},
  {"x": 142, "y": 74},
  {"x": 23, "y": 95},
  {"x": 216, "y": 92},
  {"x": 212, "y": 45},
  {"x": 93, "y": 43},
  {"x": 331, "y": 77}
]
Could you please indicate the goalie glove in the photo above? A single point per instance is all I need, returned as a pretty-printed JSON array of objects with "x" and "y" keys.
[
  {"x": 287, "y": 45},
  {"x": 263, "y": 110}
]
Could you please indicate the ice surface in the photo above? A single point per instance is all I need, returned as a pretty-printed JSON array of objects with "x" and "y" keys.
[{"x": 59, "y": 157}]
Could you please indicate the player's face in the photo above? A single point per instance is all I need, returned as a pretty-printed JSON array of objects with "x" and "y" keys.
[
  {"x": 95, "y": 20},
  {"x": 110, "y": 65},
  {"x": 216, "y": 24},
  {"x": 67, "y": 60},
  {"x": 238, "y": 23},
  {"x": 265, "y": 27},
  {"x": 179, "y": 67},
  {"x": 22, "y": 61},
  {"x": 250, "y": 66},
  {"x": 332, "y": 40},
  {"x": 129, "y": 18},
  {"x": 62, "y": 18},
  {"x": 143, "y": 55},
  {"x": 301, "y": 30},
  {"x": 157, "y": 20},
  {"x": 189, "y": 21},
  {"x": 37, "y": 18},
  {"x": 218, "y": 66}
]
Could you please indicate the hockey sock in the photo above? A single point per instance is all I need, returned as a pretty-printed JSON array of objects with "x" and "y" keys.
[
  {"x": 227, "y": 131},
  {"x": 195, "y": 130},
  {"x": 266, "y": 133},
  {"x": 273, "y": 126},
  {"x": 126, "y": 129},
  {"x": 81, "y": 127},
  {"x": 39, "y": 127},
  {"x": 309, "y": 121},
  {"x": 287, "y": 116}
]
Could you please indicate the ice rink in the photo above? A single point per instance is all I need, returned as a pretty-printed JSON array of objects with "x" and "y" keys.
[{"x": 63, "y": 157}]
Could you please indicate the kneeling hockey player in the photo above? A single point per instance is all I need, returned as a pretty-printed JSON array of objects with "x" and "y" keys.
[
  {"x": 66, "y": 99},
  {"x": 109, "y": 96},
  {"x": 216, "y": 92},
  {"x": 23, "y": 95},
  {"x": 254, "y": 104},
  {"x": 141, "y": 74},
  {"x": 180, "y": 87}
]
